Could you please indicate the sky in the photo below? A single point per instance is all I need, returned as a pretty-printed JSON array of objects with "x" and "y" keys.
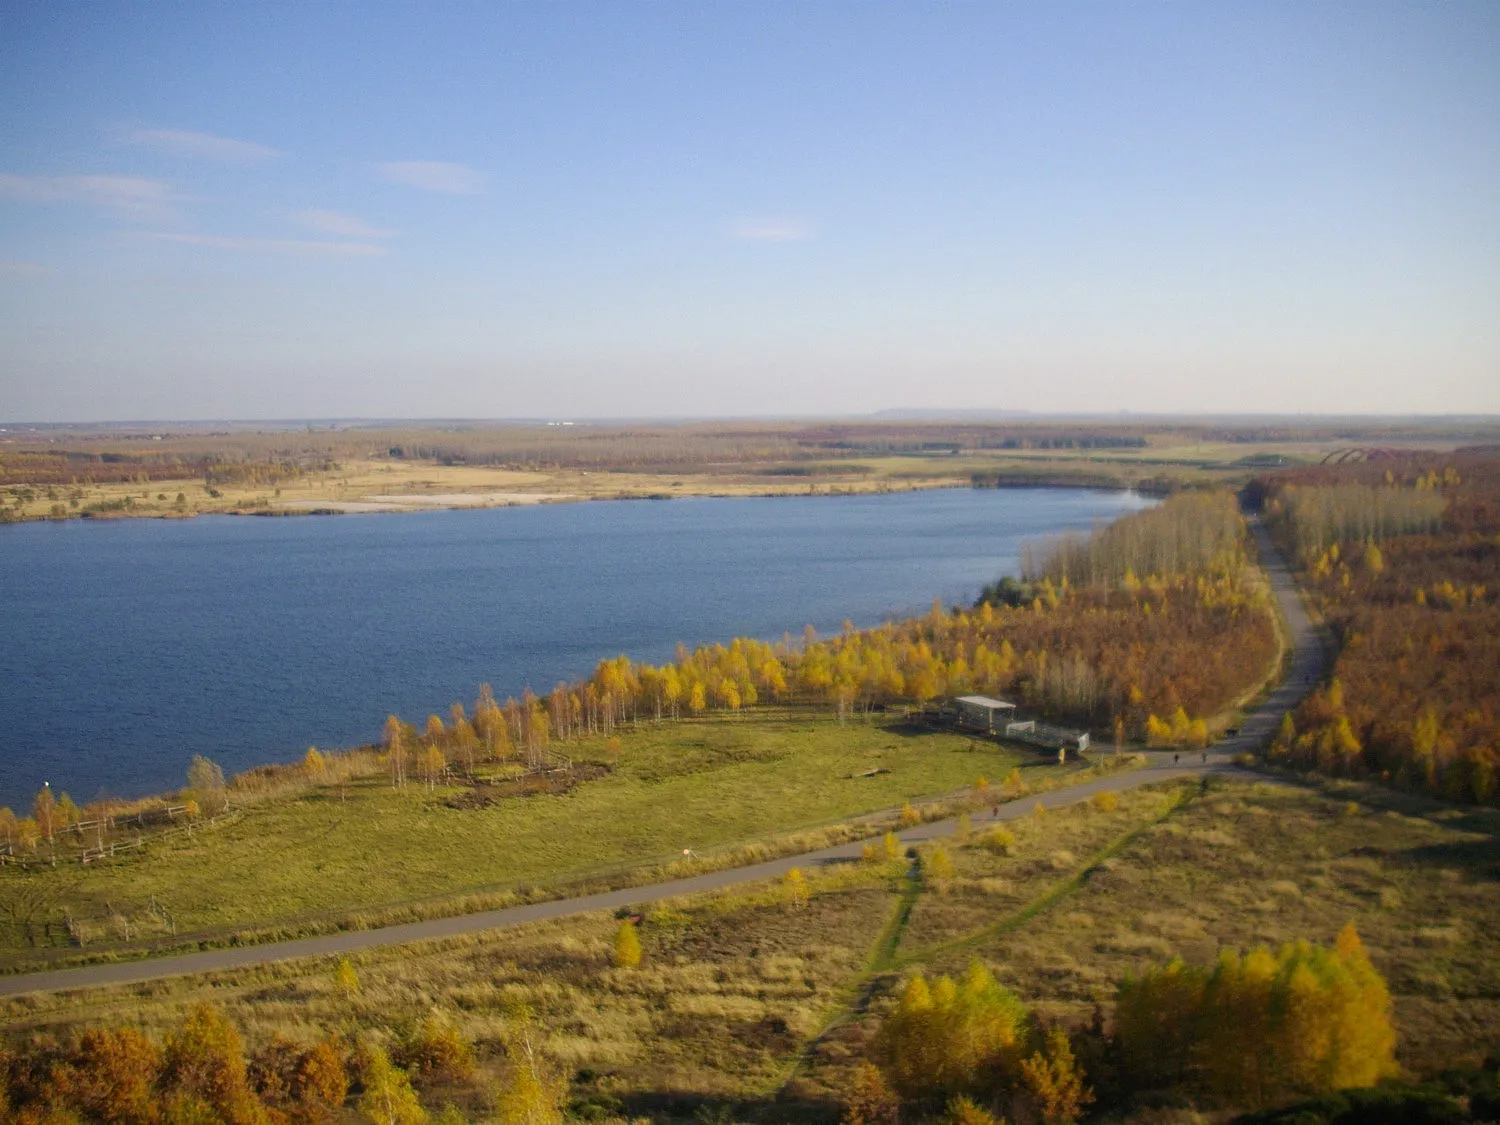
[{"x": 567, "y": 210}]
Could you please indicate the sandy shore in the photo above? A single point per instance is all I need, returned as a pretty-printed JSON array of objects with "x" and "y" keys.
[{"x": 428, "y": 500}]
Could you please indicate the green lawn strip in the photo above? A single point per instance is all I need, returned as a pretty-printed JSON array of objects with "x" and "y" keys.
[
  {"x": 884, "y": 957},
  {"x": 1178, "y": 800}
]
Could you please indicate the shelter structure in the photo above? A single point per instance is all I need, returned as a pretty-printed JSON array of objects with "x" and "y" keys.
[{"x": 983, "y": 712}]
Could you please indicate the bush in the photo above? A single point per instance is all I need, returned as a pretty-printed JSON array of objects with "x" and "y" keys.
[
  {"x": 438, "y": 1049},
  {"x": 998, "y": 840}
]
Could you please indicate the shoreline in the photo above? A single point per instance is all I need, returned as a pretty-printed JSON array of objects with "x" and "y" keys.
[
  {"x": 291, "y": 748},
  {"x": 472, "y": 502}
]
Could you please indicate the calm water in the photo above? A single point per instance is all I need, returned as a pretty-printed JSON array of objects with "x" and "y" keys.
[{"x": 128, "y": 646}]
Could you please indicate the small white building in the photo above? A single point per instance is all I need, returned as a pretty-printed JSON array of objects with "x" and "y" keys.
[{"x": 983, "y": 712}]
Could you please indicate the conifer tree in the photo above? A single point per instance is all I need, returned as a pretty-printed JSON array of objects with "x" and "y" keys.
[
  {"x": 1055, "y": 1081},
  {"x": 870, "y": 1100}
]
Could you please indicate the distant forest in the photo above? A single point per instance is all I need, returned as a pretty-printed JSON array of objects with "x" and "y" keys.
[{"x": 64, "y": 455}]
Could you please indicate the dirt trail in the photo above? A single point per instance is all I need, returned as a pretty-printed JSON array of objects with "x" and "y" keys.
[{"x": 1307, "y": 665}]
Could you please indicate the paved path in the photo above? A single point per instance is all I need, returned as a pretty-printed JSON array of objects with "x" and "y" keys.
[{"x": 1258, "y": 726}]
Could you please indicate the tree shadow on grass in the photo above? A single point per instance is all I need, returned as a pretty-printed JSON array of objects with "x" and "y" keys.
[{"x": 1478, "y": 858}]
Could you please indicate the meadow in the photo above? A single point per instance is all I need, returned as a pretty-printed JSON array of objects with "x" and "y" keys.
[
  {"x": 315, "y": 854},
  {"x": 756, "y": 1004}
]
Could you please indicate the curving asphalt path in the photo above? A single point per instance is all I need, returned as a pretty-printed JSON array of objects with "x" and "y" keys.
[{"x": 1306, "y": 667}]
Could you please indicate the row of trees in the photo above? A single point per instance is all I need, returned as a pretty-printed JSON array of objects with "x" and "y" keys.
[
  {"x": 1191, "y": 533},
  {"x": 201, "y": 1072},
  {"x": 1249, "y": 1030},
  {"x": 1112, "y": 653},
  {"x": 1160, "y": 647},
  {"x": 1325, "y": 515},
  {"x": 53, "y": 814},
  {"x": 1258, "y": 1026}
]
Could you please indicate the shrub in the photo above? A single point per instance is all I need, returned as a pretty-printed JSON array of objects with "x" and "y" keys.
[
  {"x": 113, "y": 1072},
  {"x": 438, "y": 1049},
  {"x": 998, "y": 840},
  {"x": 205, "y": 1063}
]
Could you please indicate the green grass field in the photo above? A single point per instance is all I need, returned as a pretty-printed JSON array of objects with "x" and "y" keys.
[
  {"x": 748, "y": 1001},
  {"x": 708, "y": 785}
]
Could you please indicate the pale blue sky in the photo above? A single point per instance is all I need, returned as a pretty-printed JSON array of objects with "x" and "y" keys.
[{"x": 580, "y": 210}]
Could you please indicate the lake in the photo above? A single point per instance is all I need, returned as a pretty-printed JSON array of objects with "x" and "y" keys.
[{"x": 128, "y": 646}]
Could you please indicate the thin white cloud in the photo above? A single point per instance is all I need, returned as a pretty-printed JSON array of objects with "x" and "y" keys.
[
  {"x": 11, "y": 268},
  {"x": 296, "y": 247},
  {"x": 337, "y": 223},
  {"x": 200, "y": 146},
  {"x": 434, "y": 175},
  {"x": 773, "y": 230},
  {"x": 132, "y": 196}
]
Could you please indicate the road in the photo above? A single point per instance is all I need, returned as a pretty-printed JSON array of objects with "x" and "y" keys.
[{"x": 1306, "y": 667}]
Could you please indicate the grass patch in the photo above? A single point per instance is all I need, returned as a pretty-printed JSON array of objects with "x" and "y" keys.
[{"x": 708, "y": 785}]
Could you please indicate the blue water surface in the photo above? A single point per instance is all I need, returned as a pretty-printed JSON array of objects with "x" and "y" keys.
[{"x": 128, "y": 646}]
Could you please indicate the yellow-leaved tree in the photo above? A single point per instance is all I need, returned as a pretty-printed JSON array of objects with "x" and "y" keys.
[
  {"x": 946, "y": 1037},
  {"x": 627, "y": 946},
  {"x": 1053, "y": 1081},
  {"x": 388, "y": 1098},
  {"x": 1259, "y": 1025},
  {"x": 940, "y": 869},
  {"x": 535, "y": 1090}
]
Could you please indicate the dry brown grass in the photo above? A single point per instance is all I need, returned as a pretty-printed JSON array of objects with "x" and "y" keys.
[
  {"x": 1268, "y": 864},
  {"x": 735, "y": 985}
]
